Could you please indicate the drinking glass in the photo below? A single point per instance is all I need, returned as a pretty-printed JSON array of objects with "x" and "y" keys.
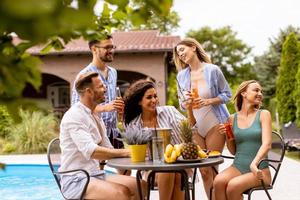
[
  {"x": 120, "y": 113},
  {"x": 195, "y": 95},
  {"x": 165, "y": 134},
  {"x": 118, "y": 92},
  {"x": 229, "y": 132},
  {"x": 157, "y": 150}
]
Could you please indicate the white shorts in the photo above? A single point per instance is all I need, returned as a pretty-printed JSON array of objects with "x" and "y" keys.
[{"x": 73, "y": 185}]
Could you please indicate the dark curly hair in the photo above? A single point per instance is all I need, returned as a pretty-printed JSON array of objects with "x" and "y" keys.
[{"x": 133, "y": 95}]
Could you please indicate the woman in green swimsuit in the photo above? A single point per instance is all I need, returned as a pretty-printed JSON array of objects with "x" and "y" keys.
[{"x": 252, "y": 140}]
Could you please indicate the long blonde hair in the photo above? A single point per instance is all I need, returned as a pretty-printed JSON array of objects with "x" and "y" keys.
[
  {"x": 238, "y": 98},
  {"x": 190, "y": 42}
]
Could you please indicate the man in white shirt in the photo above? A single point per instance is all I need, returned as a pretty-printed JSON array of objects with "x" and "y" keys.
[{"x": 84, "y": 142}]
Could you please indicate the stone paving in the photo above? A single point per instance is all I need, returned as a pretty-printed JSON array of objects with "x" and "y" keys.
[{"x": 286, "y": 186}]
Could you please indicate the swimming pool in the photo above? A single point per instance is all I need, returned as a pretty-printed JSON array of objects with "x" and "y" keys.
[{"x": 28, "y": 182}]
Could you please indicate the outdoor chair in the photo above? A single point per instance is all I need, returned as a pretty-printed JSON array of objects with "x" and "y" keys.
[
  {"x": 53, "y": 155},
  {"x": 152, "y": 186},
  {"x": 275, "y": 158}
]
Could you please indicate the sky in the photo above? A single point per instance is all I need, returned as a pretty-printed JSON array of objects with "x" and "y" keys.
[{"x": 255, "y": 21}]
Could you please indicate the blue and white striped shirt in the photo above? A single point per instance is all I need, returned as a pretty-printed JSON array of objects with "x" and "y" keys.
[
  {"x": 109, "y": 118},
  {"x": 167, "y": 117}
]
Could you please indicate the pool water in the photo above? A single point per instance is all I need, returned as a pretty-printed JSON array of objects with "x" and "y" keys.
[{"x": 34, "y": 182}]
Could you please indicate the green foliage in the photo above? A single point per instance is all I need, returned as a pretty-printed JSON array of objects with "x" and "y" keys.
[
  {"x": 16, "y": 68},
  {"x": 285, "y": 83},
  {"x": 230, "y": 104},
  {"x": 231, "y": 54},
  {"x": 272, "y": 107},
  {"x": 54, "y": 23},
  {"x": 266, "y": 66},
  {"x": 26, "y": 104},
  {"x": 172, "y": 90},
  {"x": 34, "y": 132},
  {"x": 9, "y": 148},
  {"x": 297, "y": 95},
  {"x": 165, "y": 24},
  {"x": 2, "y": 142},
  {"x": 5, "y": 122}
]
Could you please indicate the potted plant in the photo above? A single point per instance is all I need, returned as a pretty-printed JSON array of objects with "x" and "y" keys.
[{"x": 137, "y": 140}]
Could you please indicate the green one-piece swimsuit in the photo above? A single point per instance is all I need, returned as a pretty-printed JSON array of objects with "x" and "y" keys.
[{"x": 248, "y": 142}]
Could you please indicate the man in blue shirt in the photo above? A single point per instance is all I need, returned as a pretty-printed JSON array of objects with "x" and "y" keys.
[{"x": 103, "y": 52}]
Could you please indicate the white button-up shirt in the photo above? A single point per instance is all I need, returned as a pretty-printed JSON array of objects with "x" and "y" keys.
[{"x": 80, "y": 134}]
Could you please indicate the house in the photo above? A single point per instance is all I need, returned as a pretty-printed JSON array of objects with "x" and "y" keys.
[{"x": 139, "y": 54}]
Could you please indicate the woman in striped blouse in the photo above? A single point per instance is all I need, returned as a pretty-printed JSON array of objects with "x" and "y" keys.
[{"x": 142, "y": 110}]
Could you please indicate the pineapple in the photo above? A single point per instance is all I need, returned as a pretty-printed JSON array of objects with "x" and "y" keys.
[{"x": 189, "y": 149}]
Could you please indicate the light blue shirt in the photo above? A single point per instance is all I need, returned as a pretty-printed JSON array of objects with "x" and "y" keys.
[
  {"x": 217, "y": 85},
  {"x": 109, "y": 118}
]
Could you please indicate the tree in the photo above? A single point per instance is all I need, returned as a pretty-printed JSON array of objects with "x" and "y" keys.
[
  {"x": 55, "y": 23},
  {"x": 231, "y": 54},
  {"x": 297, "y": 95},
  {"x": 165, "y": 24},
  {"x": 172, "y": 90},
  {"x": 266, "y": 66},
  {"x": 285, "y": 83}
]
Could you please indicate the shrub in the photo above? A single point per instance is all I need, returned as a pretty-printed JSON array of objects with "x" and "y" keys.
[
  {"x": 34, "y": 132},
  {"x": 172, "y": 97},
  {"x": 5, "y": 122},
  {"x": 9, "y": 148}
]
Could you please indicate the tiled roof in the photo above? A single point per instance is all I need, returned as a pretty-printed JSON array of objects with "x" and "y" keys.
[
  {"x": 132, "y": 41},
  {"x": 144, "y": 41}
]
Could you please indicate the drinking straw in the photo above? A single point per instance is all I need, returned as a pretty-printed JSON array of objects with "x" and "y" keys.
[{"x": 155, "y": 130}]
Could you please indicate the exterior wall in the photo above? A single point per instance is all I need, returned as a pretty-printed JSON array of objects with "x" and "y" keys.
[
  {"x": 150, "y": 64},
  {"x": 65, "y": 66}
]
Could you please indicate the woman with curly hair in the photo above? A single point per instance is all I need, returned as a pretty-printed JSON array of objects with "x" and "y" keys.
[{"x": 141, "y": 110}]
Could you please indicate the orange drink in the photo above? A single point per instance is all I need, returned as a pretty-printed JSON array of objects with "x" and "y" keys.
[
  {"x": 229, "y": 132},
  {"x": 195, "y": 93}
]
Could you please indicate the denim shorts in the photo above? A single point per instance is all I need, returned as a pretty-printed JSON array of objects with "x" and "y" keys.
[{"x": 73, "y": 185}]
